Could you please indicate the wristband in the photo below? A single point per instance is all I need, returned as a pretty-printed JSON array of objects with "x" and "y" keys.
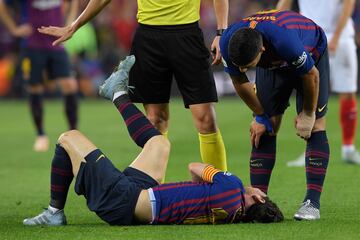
[
  {"x": 264, "y": 120},
  {"x": 219, "y": 32}
]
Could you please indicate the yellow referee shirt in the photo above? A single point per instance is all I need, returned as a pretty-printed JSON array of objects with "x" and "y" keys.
[{"x": 168, "y": 12}]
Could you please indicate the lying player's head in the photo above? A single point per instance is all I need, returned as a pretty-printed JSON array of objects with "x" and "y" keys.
[
  {"x": 266, "y": 212},
  {"x": 245, "y": 48}
]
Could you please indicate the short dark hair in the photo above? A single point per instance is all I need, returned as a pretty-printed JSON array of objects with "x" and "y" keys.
[
  {"x": 244, "y": 45},
  {"x": 267, "y": 212}
]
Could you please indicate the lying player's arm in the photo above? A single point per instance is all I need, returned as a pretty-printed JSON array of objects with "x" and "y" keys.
[
  {"x": 65, "y": 33},
  {"x": 221, "y": 8},
  {"x": 201, "y": 172},
  {"x": 283, "y": 5},
  {"x": 18, "y": 31}
]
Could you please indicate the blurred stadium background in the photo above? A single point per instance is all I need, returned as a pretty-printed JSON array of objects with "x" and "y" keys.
[{"x": 96, "y": 48}]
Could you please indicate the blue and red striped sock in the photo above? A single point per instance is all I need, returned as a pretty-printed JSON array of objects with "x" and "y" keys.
[
  {"x": 262, "y": 162},
  {"x": 139, "y": 127},
  {"x": 61, "y": 177},
  {"x": 316, "y": 162}
]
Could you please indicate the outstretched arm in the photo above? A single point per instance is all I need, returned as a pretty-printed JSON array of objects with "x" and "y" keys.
[
  {"x": 65, "y": 33},
  {"x": 221, "y": 8},
  {"x": 23, "y": 30}
]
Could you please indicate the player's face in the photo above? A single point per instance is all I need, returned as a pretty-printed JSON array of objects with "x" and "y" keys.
[{"x": 253, "y": 63}]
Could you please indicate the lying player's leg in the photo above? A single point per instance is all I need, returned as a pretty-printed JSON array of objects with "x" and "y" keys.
[
  {"x": 154, "y": 156},
  {"x": 73, "y": 147},
  {"x": 77, "y": 147}
]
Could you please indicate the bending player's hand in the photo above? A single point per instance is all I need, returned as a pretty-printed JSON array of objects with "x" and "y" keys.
[
  {"x": 304, "y": 123},
  {"x": 256, "y": 131},
  {"x": 62, "y": 33},
  {"x": 256, "y": 194},
  {"x": 215, "y": 51},
  {"x": 23, "y": 30}
]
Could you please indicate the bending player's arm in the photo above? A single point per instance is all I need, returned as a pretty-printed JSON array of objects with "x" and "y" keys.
[
  {"x": 23, "y": 30},
  {"x": 221, "y": 8},
  {"x": 246, "y": 92},
  {"x": 201, "y": 172},
  {"x": 306, "y": 119},
  {"x": 262, "y": 122},
  {"x": 283, "y": 5},
  {"x": 65, "y": 33},
  {"x": 347, "y": 10}
]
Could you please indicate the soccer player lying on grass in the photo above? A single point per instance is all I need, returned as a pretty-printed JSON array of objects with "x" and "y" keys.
[{"x": 135, "y": 196}]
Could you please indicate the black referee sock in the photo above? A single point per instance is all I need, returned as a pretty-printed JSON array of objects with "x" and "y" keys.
[
  {"x": 139, "y": 127},
  {"x": 61, "y": 177}
]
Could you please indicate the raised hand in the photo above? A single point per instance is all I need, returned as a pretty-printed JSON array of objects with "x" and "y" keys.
[{"x": 62, "y": 33}]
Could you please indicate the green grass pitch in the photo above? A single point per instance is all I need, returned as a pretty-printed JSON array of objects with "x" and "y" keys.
[{"x": 24, "y": 175}]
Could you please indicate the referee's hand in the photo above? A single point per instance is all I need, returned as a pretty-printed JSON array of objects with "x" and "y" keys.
[{"x": 215, "y": 51}]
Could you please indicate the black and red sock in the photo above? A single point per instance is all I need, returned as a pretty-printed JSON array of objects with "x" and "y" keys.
[
  {"x": 61, "y": 177},
  {"x": 36, "y": 107},
  {"x": 316, "y": 162},
  {"x": 71, "y": 110},
  {"x": 139, "y": 127},
  {"x": 262, "y": 162}
]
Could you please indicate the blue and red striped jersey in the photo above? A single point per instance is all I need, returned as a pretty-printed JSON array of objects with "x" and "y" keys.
[
  {"x": 39, "y": 13},
  {"x": 290, "y": 40},
  {"x": 221, "y": 201}
]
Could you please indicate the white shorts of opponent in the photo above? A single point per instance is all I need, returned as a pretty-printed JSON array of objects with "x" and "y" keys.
[{"x": 344, "y": 67}]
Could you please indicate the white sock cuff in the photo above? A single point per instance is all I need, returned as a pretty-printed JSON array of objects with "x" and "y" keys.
[{"x": 118, "y": 94}]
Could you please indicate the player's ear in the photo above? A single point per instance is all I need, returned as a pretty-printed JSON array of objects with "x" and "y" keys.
[
  {"x": 262, "y": 49},
  {"x": 258, "y": 199}
]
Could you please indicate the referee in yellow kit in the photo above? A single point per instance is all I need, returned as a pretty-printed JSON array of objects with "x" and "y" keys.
[{"x": 168, "y": 44}]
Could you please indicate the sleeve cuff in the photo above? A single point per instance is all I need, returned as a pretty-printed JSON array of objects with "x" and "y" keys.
[{"x": 209, "y": 173}]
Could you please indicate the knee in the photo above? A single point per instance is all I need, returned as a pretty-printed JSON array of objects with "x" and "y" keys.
[
  {"x": 206, "y": 123},
  {"x": 158, "y": 119},
  {"x": 165, "y": 147},
  {"x": 68, "y": 85},
  {"x": 64, "y": 137}
]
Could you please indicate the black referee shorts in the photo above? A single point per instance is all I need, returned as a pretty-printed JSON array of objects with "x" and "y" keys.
[{"x": 165, "y": 52}]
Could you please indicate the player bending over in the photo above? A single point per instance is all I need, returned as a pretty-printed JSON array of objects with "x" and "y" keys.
[{"x": 135, "y": 196}]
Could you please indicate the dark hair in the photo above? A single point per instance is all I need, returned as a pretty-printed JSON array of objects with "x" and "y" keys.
[
  {"x": 244, "y": 45},
  {"x": 267, "y": 212}
]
